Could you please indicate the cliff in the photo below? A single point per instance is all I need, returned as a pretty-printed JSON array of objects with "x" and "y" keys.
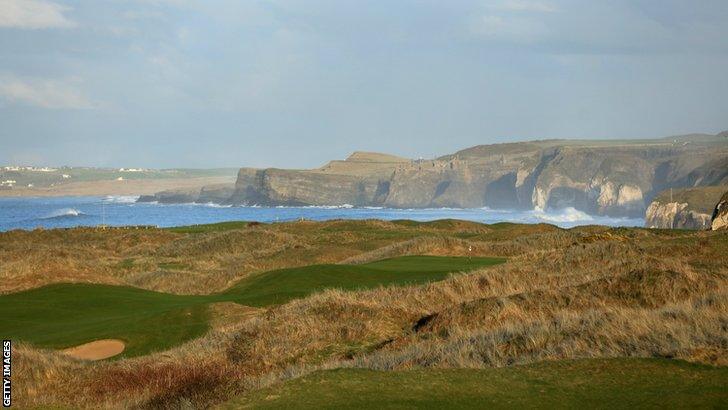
[
  {"x": 689, "y": 208},
  {"x": 719, "y": 219},
  {"x": 217, "y": 193},
  {"x": 614, "y": 177}
]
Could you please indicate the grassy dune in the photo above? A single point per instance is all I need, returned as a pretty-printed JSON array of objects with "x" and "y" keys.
[
  {"x": 587, "y": 293},
  {"x": 612, "y": 383},
  {"x": 63, "y": 315}
]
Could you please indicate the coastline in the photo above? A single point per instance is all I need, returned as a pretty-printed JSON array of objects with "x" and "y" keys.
[{"x": 114, "y": 187}]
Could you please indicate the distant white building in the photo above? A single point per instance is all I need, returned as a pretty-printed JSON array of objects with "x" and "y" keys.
[
  {"x": 120, "y": 179},
  {"x": 8, "y": 182},
  {"x": 32, "y": 169},
  {"x": 65, "y": 176},
  {"x": 132, "y": 169}
]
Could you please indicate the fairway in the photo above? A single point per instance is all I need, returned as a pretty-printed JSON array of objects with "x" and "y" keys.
[
  {"x": 280, "y": 286},
  {"x": 65, "y": 315},
  {"x": 589, "y": 383}
]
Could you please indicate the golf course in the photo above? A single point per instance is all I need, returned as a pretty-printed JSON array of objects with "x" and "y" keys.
[
  {"x": 594, "y": 383},
  {"x": 64, "y": 315},
  {"x": 366, "y": 314}
]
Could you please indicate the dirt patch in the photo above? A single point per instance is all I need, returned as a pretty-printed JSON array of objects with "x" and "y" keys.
[{"x": 96, "y": 350}]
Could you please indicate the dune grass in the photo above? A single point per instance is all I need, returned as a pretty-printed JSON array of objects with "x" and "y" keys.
[
  {"x": 600, "y": 383},
  {"x": 64, "y": 315}
]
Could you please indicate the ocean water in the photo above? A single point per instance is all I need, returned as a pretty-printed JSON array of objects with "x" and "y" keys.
[{"x": 64, "y": 212}]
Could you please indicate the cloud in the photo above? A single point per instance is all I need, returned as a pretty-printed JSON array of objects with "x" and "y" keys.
[
  {"x": 33, "y": 14},
  {"x": 44, "y": 93},
  {"x": 524, "y": 6},
  {"x": 516, "y": 29}
]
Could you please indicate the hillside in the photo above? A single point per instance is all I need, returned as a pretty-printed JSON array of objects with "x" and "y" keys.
[{"x": 18, "y": 181}]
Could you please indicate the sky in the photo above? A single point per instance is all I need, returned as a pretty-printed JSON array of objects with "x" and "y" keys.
[{"x": 292, "y": 84}]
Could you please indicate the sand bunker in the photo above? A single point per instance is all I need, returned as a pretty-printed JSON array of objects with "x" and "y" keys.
[{"x": 96, "y": 350}]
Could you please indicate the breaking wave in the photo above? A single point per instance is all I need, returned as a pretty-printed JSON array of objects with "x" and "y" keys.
[
  {"x": 121, "y": 199},
  {"x": 64, "y": 213},
  {"x": 562, "y": 215}
]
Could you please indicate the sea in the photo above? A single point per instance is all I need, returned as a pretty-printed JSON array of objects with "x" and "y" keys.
[{"x": 66, "y": 212}]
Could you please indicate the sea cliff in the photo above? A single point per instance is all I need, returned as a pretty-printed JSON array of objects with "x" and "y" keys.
[{"x": 612, "y": 177}]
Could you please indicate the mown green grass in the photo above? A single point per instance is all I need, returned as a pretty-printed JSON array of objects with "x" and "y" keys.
[
  {"x": 280, "y": 286},
  {"x": 205, "y": 228},
  {"x": 594, "y": 383},
  {"x": 64, "y": 315}
]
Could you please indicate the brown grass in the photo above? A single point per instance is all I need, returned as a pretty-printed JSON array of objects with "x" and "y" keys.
[{"x": 586, "y": 292}]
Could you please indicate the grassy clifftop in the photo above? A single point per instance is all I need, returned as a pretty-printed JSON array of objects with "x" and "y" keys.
[{"x": 699, "y": 199}]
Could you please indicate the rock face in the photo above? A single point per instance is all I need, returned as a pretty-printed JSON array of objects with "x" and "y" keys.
[
  {"x": 218, "y": 193},
  {"x": 719, "y": 220},
  {"x": 616, "y": 178},
  {"x": 689, "y": 208},
  {"x": 675, "y": 215}
]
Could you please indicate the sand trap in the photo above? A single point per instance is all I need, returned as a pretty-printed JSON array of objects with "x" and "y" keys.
[{"x": 96, "y": 350}]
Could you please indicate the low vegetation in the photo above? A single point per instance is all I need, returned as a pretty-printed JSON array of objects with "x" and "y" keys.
[
  {"x": 563, "y": 305},
  {"x": 596, "y": 383},
  {"x": 65, "y": 315}
]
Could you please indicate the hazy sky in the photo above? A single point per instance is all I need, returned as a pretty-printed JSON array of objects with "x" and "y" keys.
[{"x": 169, "y": 83}]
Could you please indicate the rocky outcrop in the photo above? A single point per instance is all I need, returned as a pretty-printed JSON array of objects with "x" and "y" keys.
[
  {"x": 617, "y": 178},
  {"x": 674, "y": 215},
  {"x": 683, "y": 208},
  {"x": 719, "y": 219},
  {"x": 218, "y": 193}
]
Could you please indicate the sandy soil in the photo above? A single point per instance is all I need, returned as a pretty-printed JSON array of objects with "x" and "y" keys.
[
  {"x": 114, "y": 187},
  {"x": 96, "y": 350}
]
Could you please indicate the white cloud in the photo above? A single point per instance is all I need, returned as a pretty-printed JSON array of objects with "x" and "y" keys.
[
  {"x": 517, "y": 29},
  {"x": 33, "y": 14},
  {"x": 518, "y": 21},
  {"x": 524, "y": 6},
  {"x": 45, "y": 93}
]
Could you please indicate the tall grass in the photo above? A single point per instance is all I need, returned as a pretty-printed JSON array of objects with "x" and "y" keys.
[{"x": 563, "y": 294}]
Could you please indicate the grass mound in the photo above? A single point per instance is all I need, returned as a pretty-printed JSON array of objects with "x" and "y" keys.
[
  {"x": 623, "y": 383},
  {"x": 64, "y": 315}
]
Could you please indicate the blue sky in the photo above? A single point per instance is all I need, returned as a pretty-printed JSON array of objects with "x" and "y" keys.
[{"x": 173, "y": 83}]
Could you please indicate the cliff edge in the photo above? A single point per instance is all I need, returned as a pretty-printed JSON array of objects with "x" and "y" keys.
[
  {"x": 689, "y": 208},
  {"x": 719, "y": 220}
]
